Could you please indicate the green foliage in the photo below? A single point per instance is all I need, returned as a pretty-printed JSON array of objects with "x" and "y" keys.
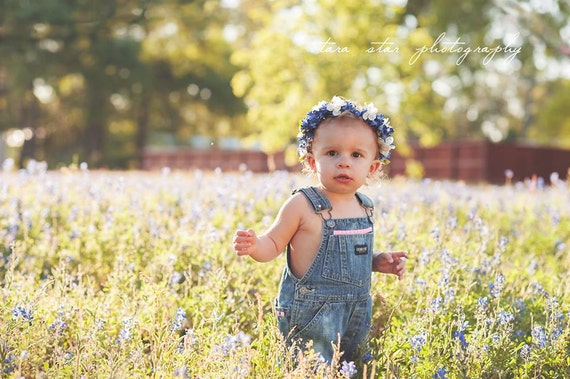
[
  {"x": 132, "y": 275},
  {"x": 252, "y": 69}
]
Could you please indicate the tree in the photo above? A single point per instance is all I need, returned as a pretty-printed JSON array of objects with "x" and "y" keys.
[
  {"x": 410, "y": 59},
  {"x": 111, "y": 84}
]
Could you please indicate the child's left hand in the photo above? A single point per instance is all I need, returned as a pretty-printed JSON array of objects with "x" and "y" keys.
[{"x": 390, "y": 263}]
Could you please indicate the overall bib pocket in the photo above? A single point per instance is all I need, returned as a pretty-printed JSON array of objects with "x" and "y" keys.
[{"x": 348, "y": 259}]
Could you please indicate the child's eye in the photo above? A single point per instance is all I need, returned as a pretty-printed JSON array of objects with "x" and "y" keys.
[
  {"x": 356, "y": 155},
  {"x": 332, "y": 153}
]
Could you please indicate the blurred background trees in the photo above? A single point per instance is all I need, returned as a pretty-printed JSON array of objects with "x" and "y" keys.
[{"x": 97, "y": 81}]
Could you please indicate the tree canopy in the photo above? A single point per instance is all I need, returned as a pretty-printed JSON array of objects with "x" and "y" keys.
[{"x": 99, "y": 81}]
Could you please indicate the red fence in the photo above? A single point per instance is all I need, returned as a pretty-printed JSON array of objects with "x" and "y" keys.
[
  {"x": 211, "y": 159},
  {"x": 470, "y": 161},
  {"x": 482, "y": 161}
]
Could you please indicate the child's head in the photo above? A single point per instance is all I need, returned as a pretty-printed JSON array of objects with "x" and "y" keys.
[{"x": 339, "y": 108}]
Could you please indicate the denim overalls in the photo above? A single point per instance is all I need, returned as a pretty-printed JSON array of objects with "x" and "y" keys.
[{"x": 331, "y": 302}]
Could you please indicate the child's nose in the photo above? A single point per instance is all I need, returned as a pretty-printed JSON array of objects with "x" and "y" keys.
[{"x": 343, "y": 161}]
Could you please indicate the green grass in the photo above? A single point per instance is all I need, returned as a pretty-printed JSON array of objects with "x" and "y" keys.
[{"x": 131, "y": 275}]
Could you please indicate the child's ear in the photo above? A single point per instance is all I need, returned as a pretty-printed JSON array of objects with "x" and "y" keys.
[
  {"x": 311, "y": 161},
  {"x": 374, "y": 166}
]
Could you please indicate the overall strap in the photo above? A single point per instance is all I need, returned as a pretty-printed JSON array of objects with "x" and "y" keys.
[
  {"x": 320, "y": 204},
  {"x": 318, "y": 201},
  {"x": 365, "y": 201},
  {"x": 367, "y": 204}
]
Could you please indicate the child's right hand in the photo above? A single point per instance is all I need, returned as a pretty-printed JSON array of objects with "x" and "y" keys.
[{"x": 245, "y": 242}]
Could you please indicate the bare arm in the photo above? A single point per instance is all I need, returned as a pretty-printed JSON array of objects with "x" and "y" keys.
[{"x": 270, "y": 244}]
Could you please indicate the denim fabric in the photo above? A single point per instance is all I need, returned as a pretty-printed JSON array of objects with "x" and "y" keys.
[{"x": 331, "y": 303}]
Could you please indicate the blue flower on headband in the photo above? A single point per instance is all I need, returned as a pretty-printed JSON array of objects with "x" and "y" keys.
[{"x": 337, "y": 106}]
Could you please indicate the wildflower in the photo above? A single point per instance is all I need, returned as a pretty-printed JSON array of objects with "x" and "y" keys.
[
  {"x": 502, "y": 245},
  {"x": 348, "y": 369},
  {"x": 441, "y": 373},
  {"x": 482, "y": 304},
  {"x": 100, "y": 323},
  {"x": 505, "y": 317},
  {"x": 232, "y": 343},
  {"x": 539, "y": 338},
  {"x": 435, "y": 233},
  {"x": 176, "y": 278},
  {"x": 435, "y": 304},
  {"x": 25, "y": 314},
  {"x": 7, "y": 363},
  {"x": 367, "y": 357},
  {"x": 496, "y": 287},
  {"x": 125, "y": 333},
  {"x": 178, "y": 320},
  {"x": 58, "y": 326},
  {"x": 460, "y": 335},
  {"x": 449, "y": 295},
  {"x": 182, "y": 372},
  {"x": 525, "y": 352},
  {"x": 68, "y": 357},
  {"x": 418, "y": 341}
]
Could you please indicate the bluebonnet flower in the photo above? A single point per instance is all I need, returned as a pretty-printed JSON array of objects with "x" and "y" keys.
[
  {"x": 502, "y": 245},
  {"x": 182, "y": 372},
  {"x": 125, "y": 333},
  {"x": 539, "y": 338},
  {"x": 59, "y": 325},
  {"x": 435, "y": 304},
  {"x": 525, "y": 352},
  {"x": 68, "y": 357},
  {"x": 419, "y": 284},
  {"x": 449, "y": 295},
  {"x": 8, "y": 362},
  {"x": 176, "y": 278},
  {"x": 482, "y": 304},
  {"x": 451, "y": 222},
  {"x": 100, "y": 323},
  {"x": 348, "y": 369},
  {"x": 234, "y": 342},
  {"x": 532, "y": 266},
  {"x": 496, "y": 287},
  {"x": 460, "y": 335},
  {"x": 418, "y": 341},
  {"x": 445, "y": 278},
  {"x": 505, "y": 317},
  {"x": 367, "y": 357},
  {"x": 25, "y": 314},
  {"x": 435, "y": 233},
  {"x": 441, "y": 373},
  {"x": 520, "y": 305},
  {"x": 178, "y": 320}
]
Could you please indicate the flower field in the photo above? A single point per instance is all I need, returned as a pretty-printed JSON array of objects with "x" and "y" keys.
[{"x": 131, "y": 275}]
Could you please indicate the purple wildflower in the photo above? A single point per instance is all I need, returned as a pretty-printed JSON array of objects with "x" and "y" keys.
[{"x": 348, "y": 369}]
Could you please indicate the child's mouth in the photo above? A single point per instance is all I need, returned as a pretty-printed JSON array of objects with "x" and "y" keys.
[{"x": 343, "y": 178}]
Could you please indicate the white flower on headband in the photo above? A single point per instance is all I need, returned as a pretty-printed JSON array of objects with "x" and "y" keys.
[
  {"x": 335, "y": 105},
  {"x": 386, "y": 146},
  {"x": 319, "y": 105},
  {"x": 370, "y": 112}
]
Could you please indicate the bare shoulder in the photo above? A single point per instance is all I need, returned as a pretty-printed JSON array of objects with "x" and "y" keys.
[{"x": 296, "y": 206}]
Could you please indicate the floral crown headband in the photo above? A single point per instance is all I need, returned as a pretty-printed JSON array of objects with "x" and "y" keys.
[{"x": 369, "y": 114}]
